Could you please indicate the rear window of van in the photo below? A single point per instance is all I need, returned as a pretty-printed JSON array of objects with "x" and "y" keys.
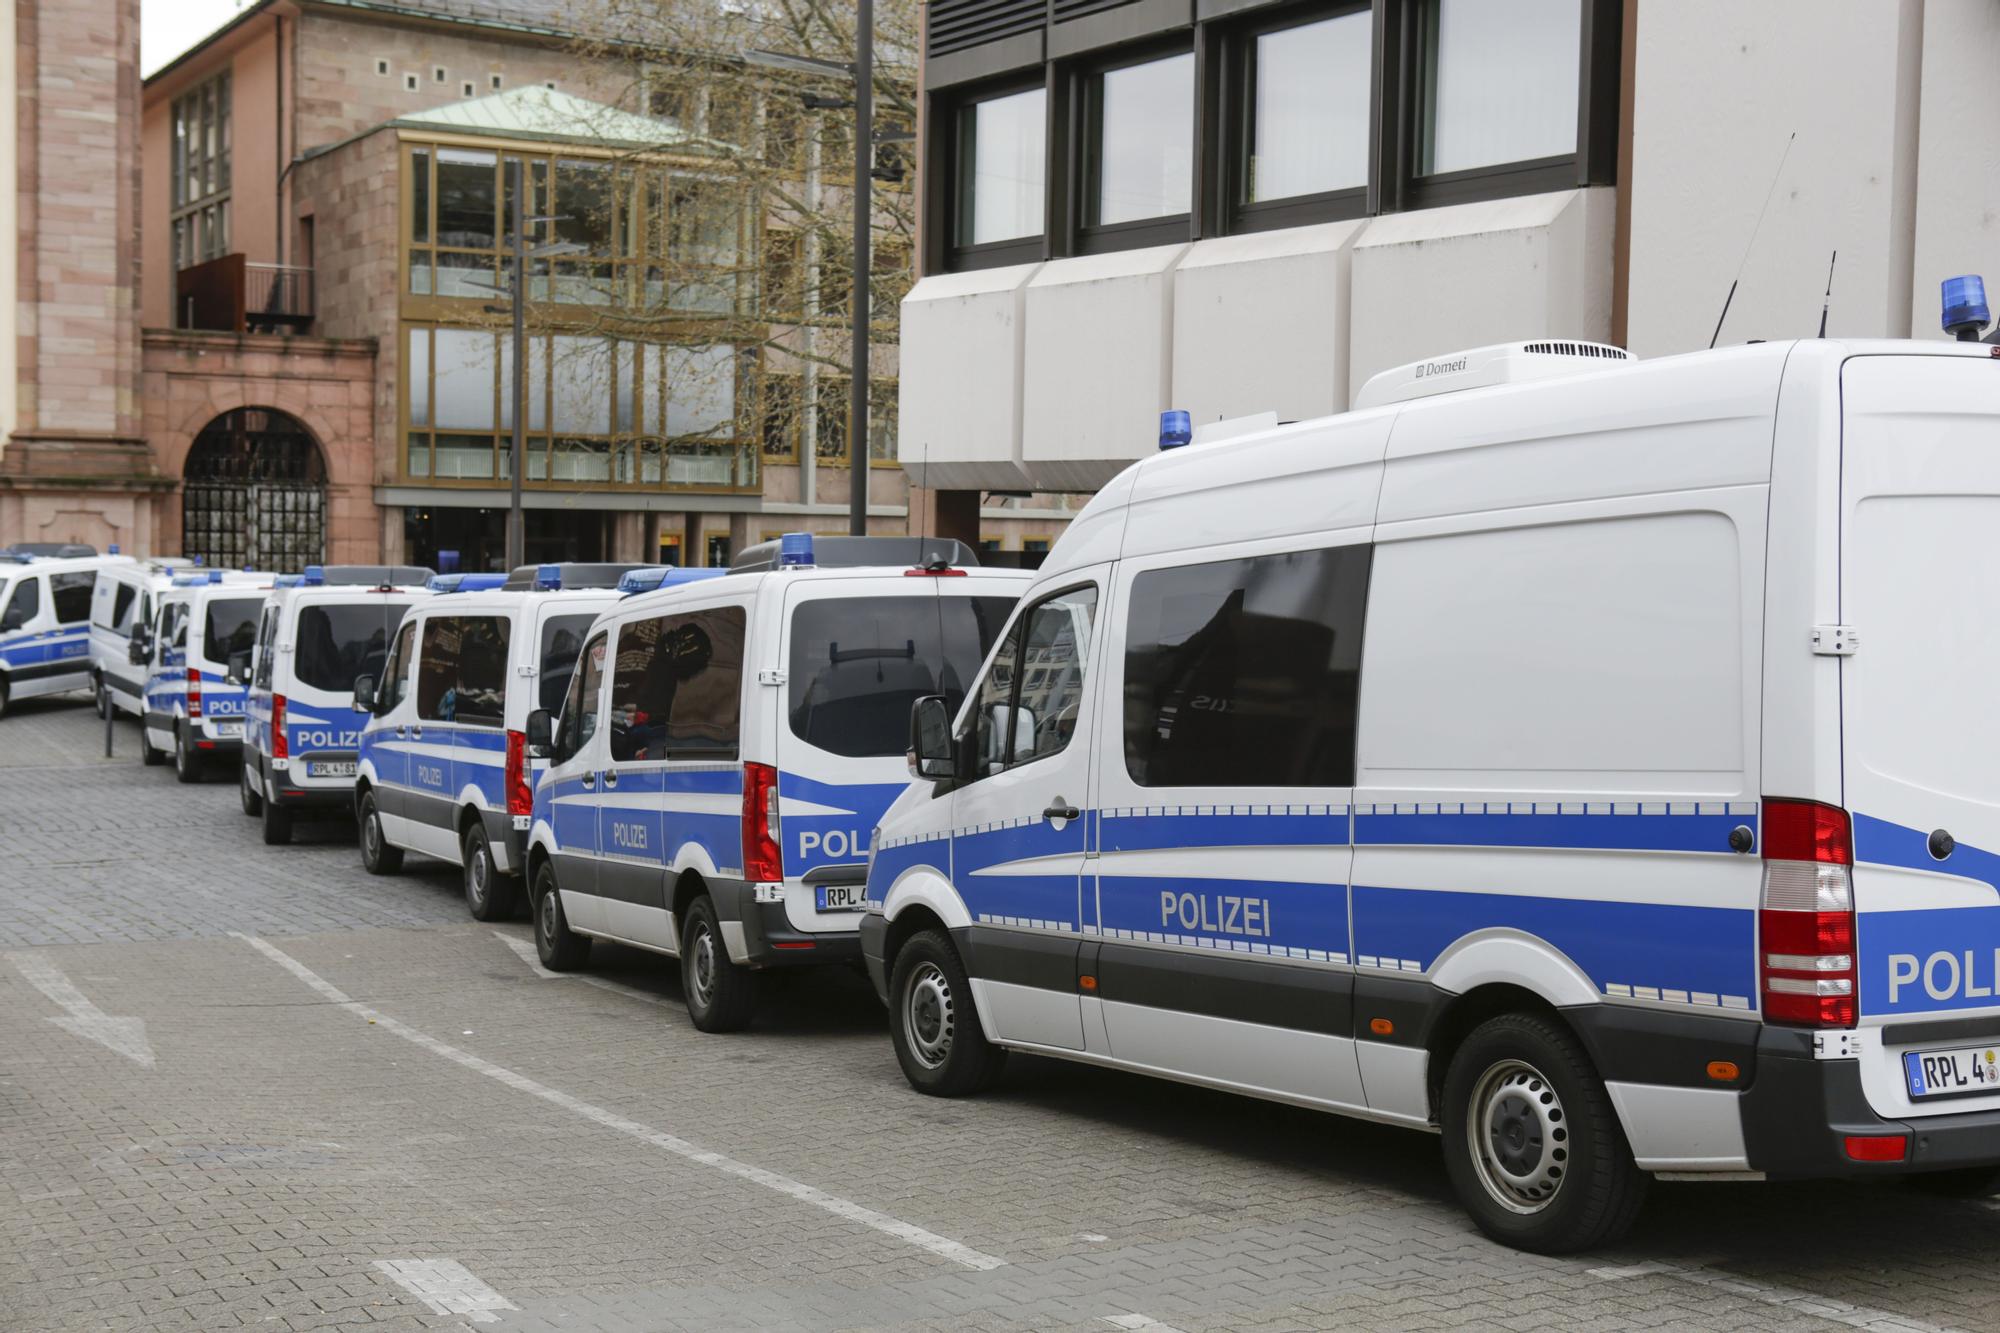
[
  {"x": 337, "y": 644},
  {"x": 231, "y": 627}
]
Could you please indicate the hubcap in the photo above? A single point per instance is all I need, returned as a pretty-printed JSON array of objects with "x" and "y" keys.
[
  {"x": 703, "y": 960},
  {"x": 546, "y": 918},
  {"x": 1518, "y": 1136},
  {"x": 371, "y": 833},
  {"x": 475, "y": 874},
  {"x": 928, "y": 1015}
]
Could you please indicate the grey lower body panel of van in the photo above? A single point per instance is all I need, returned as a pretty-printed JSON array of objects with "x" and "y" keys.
[{"x": 767, "y": 934}]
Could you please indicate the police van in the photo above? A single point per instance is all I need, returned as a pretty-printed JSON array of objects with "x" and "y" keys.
[
  {"x": 45, "y": 623},
  {"x": 191, "y": 703},
  {"x": 725, "y": 748},
  {"x": 1590, "y": 760},
  {"x": 319, "y": 632},
  {"x": 444, "y": 769},
  {"x": 123, "y": 603}
]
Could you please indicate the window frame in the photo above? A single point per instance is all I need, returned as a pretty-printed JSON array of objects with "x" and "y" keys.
[
  {"x": 1017, "y": 633},
  {"x": 1084, "y": 125},
  {"x": 198, "y": 219},
  {"x": 955, "y": 193}
]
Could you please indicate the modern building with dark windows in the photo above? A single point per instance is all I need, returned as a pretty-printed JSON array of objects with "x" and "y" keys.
[{"x": 1245, "y": 206}]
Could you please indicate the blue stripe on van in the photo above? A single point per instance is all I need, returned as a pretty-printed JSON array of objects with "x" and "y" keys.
[
  {"x": 1565, "y": 825},
  {"x": 1162, "y": 828}
]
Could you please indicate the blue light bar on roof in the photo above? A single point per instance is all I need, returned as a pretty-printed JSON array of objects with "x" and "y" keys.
[
  {"x": 112, "y": 549},
  {"x": 1965, "y": 314},
  {"x": 655, "y": 577},
  {"x": 1176, "y": 429},
  {"x": 548, "y": 578},
  {"x": 467, "y": 582},
  {"x": 314, "y": 576},
  {"x": 795, "y": 550}
]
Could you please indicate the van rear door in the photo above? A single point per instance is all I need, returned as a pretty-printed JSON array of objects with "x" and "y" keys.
[{"x": 1920, "y": 701}]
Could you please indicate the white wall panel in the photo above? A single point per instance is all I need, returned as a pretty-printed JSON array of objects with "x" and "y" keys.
[{"x": 959, "y": 406}]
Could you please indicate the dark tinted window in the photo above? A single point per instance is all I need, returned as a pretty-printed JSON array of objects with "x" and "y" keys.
[
  {"x": 267, "y": 647},
  {"x": 482, "y": 671},
  {"x": 25, "y": 603},
  {"x": 676, "y": 685},
  {"x": 579, "y": 715},
  {"x": 72, "y": 596},
  {"x": 437, "y": 668},
  {"x": 562, "y": 639},
  {"x": 858, "y": 663},
  {"x": 121, "y": 609},
  {"x": 1031, "y": 700},
  {"x": 389, "y": 691},
  {"x": 231, "y": 627},
  {"x": 338, "y": 644},
  {"x": 1245, "y": 672}
]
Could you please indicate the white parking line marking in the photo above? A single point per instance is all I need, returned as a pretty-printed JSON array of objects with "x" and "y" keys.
[
  {"x": 127, "y": 1036},
  {"x": 1788, "y": 1298},
  {"x": 448, "y": 1287},
  {"x": 1139, "y": 1321},
  {"x": 525, "y": 951},
  {"x": 907, "y": 1232}
]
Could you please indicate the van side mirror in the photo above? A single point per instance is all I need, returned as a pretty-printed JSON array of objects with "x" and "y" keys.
[
  {"x": 139, "y": 650},
  {"x": 931, "y": 754},
  {"x": 239, "y": 667},
  {"x": 540, "y": 734},
  {"x": 364, "y": 694}
]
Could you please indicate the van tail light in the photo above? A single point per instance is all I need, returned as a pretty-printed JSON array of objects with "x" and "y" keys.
[
  {"x": 761, "y": 863},
  {"x": 194, "y": 692},
  {"x": 1805, "y": 930},
  {"x": 279, "y": 749},
  {"x": 520, "y": 800}
]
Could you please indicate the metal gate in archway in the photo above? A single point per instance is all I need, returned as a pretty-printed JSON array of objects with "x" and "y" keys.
[{"x": 254, "y": 493}]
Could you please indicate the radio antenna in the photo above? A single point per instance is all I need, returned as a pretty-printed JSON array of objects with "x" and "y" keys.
[
  {"x": 1824, "y": 305},
  {"x": 1756, "y": 227}
]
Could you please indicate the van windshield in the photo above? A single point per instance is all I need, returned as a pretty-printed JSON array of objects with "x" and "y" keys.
[
  {"x": 231, "y": 628},
  {"x": 562, "y": 640},
  {"x": 858, "y": 663},
  {"x": 337, "y": 644}
]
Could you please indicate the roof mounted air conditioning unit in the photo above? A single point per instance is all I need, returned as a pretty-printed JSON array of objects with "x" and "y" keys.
[{"x": 1502, "y": 363}]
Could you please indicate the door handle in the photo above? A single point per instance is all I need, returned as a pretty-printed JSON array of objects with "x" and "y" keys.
[
  {"x": 1061, "y": 811},
  {"x": 401, "y": 731},
  {"x": 590, "y": 781},
  {"x": 416, "y": 733},
  {"x": 610, "y": 779}
]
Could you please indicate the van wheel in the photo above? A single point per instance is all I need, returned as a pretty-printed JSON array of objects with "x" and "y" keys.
[
  {"x": 103, "y": 699},
  {"x": 489, "y": 895},
  {"x": 248, "y": 792},
  {"x": 1531, "y": 1142},
  {"x": 148, "y": 756},
  {"x": 377, "y": 856},
  {"x": 720, "y": 995},
  {"x": 5, "y": 694},
  {"x": 187, "y": 762},
  {"x": 1970, "y": 1182},
  {"x": 277, "y": 825},
  {"x": 933, "y": 1024},
  {"x": 559, "y": 948}
]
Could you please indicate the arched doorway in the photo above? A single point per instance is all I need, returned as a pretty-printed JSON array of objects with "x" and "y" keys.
[{"x": 254, "y": 493}]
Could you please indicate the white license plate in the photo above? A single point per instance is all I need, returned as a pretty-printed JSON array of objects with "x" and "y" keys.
[
  {"x": 228, "y": 728},
  {"x": 1963, "y": 1071},
  {"x": 331, "y": 768},
  {"x": 841, "y": 897}
]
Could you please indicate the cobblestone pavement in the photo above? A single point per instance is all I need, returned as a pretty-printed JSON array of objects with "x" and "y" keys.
[{"x": 251, "y": 1086}]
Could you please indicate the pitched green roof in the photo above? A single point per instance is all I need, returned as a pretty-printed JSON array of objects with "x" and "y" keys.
[{"x": 548, "y": 113}]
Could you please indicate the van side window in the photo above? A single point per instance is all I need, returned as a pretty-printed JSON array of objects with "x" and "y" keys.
[
  {"x": 579, "y": 714},
  {"x": 1244, "y": 673},
  {"x": 121, "y": 608},
  {"x": 482, "y": 671},
  {"x": 24, "y": 605},
  {"x": 396, "y": 674},
  {"x": 562, "y": 640},
  {"x": 71, "y": 593},
  {"x": 1029, "y": 702},
  {"x": 675, "y": 690},
  {"x": 267, "y": 647},
  {"x": 437, "y": 669}
]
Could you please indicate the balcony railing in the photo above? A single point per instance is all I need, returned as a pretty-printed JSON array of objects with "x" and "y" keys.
[{"x": 232, "y": 295}]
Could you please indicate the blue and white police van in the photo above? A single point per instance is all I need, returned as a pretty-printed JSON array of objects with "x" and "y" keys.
[
  {"x": 1586, "y": 759},
  {"x": 725, "y": 748},
  {"x": 125, "y": 602},
  {"x": 319, "y": 632},
  {"x": 444, "y": 768},
  {"x": 45, "y": 623},
  {"x": 191, "y": 702}
]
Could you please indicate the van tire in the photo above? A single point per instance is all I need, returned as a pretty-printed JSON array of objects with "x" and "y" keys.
[
  {"x": 6, "y": 693},
  {"x": 377, "y": 856},
  {"x": 1531, "y": 1141},
  {"x": 247, "y": 791},
  {"x": 489, "y": 895},
  {"x": 277, "y": 825},
  {"x": 187, "y": 762},
  {"x": 148, "y": 756},
  {"x": 559, "y": 948},
  {"x": 104, "y": 704},
  {"x": 933, "y": 1024},
  {"x": 720, "y": 995},
  {"x": 1967, "y": 1182}
]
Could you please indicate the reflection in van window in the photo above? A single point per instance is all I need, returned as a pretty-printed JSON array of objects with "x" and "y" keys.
[
  {"x": 675, "y": 686},
  {"x": 858, "y": 663},
  {"x": 482, "y": 671},
  {"x": 1032, "y": 698},
  {"x": 562, "y": 640},
  {"x": 231, "y": 627},
  {"x": 389, "y": 691},
  {"x": 1245, "y": 673},
  {"x": 339, "y": 644}
]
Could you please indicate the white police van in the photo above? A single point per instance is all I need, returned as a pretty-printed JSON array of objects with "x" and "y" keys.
[
  {"x": 1586, "y": 758},
  {"x": 444, "y": 769},
  {"x": 45, "y": 623},
  {"x": 123, "y": 603},
  {"x": 319, "y": 632},
  {"x": 726, "y": 747},
  {"x": 191, "y": 702}
]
